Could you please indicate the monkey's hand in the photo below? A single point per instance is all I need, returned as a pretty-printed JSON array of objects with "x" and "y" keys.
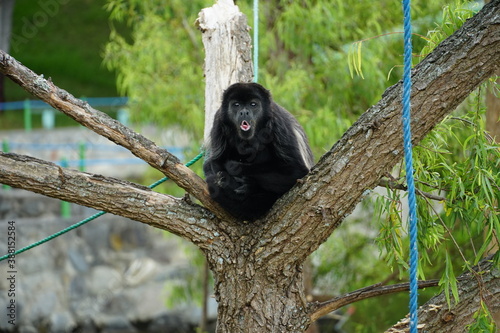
[
  {"x": 222, "y": 179},
  {"x": 242, "y": 187},
  {"x": 235, "y": 168}
]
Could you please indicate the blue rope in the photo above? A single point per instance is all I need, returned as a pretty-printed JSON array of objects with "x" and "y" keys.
[
  {"x": 409, "y": 168},
  {"x": 88, "y": 219},
  {"x": 255, "y": 40}
]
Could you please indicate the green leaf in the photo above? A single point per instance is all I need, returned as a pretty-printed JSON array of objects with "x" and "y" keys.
[
  {"x": 483, "y": 321},
  {"x": 358, "y": 67},
  {"x": 449, "y": 282}
]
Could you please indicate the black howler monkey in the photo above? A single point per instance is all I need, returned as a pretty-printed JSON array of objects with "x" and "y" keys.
[{"x": 257, "y": 151}]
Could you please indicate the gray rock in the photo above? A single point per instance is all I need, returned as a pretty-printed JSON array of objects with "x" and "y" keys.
[
  {"x": 103, "y": 279},
  {"x": 77, "y": 287},
  {"x": 62, "y": 322},
  {"x": 43, "y": 304},
  {"x": 77, "y": 260},
  {"x": 4, "y": 325},
  {"x": 86, "y": 325},
  {"x": 33, "y": 208},
  {"x": 117, "y": 325},
  {"x": 169, "y": 323},
  {"x": 27, "y": 329},
  {"x": 108, "y": 275}
]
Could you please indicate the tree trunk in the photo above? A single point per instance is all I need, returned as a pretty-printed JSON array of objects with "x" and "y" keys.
[
  {"x": 258, "y": 267},
  {"x": 254, "y": 297}
]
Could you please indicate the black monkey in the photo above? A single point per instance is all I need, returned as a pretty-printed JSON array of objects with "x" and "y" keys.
[{"x": 257, "y": 152}]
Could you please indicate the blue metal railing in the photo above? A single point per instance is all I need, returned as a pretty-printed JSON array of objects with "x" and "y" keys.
[
  {"x": 37, "y": 104},
  {"x": 48, "y": 113}
]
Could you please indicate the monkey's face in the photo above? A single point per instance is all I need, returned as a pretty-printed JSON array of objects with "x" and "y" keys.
[{"x": 245, "y": 114}]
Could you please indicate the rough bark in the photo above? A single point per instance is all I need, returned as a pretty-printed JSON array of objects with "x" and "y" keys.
[
  {"x": 258, "y": 267},
  {"x": 436, "y": 316},
  {"x": 179, "y": 216},
  {"x": 253, "y": 297}
]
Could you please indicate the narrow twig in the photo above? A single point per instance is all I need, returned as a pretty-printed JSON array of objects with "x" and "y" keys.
[
  {"x": 320, "y": 309},
  {"x": 466, "y": 121},
  {"x": 397, "y": 186}
]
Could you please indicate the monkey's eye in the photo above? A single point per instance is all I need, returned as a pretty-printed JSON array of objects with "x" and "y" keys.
[
  {"x": 236, "y": 104},
  {"x": 253, "y": 104}
]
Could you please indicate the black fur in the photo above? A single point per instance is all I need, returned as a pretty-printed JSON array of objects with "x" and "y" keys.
[{"x": 256, "y": 153}]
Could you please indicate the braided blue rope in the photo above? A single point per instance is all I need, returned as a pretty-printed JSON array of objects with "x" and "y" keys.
[
  {"x": 409, "y": 168},
  {"x": 88, "y": 219},
  {"x": 255, "y": 40}
]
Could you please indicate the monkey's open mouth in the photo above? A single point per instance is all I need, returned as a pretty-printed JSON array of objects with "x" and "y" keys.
[{"x": 245, "y": 125}]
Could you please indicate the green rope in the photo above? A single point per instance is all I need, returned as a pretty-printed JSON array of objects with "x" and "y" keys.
[{"x": 88, "y": 219}]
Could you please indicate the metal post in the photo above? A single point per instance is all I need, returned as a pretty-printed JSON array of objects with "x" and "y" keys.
[
  {"x": 27, "y": 116},
  {"x": 65, "y": 206},
  {"x": 5, "y": 149},
  {"x": 81, "y": 153}
]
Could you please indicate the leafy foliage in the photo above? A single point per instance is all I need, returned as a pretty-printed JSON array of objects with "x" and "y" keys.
[
  {"x": 460, "y": 163},
  {"x": 157, "y": 67},
  {"x": 483, "y": 321},
  {"x": 306, "y": 65}
]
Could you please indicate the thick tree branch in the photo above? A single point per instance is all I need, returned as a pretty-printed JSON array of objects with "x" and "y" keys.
[
  {"x": 111, "y": 129},
  {"x": 318, "y": 310},
  {"x": 306, "y": 216},
  {"x": 115, "y": 196},
  {"x": 482, "y": 283}
]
